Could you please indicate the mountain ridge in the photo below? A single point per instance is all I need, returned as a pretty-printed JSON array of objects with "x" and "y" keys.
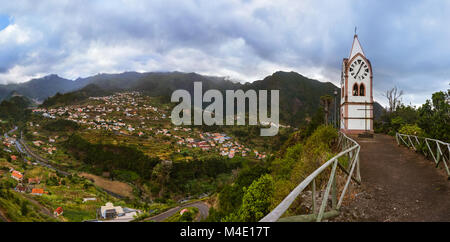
[{"x": 299, "y": 95}]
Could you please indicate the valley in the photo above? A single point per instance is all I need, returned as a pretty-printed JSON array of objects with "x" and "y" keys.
[{"x": 121, "y": 148}]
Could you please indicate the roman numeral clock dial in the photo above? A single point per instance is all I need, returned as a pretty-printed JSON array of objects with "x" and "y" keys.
[{"x": 359, "y": 69}]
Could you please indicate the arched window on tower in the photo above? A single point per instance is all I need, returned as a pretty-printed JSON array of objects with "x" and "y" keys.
[
  {"x": 355, "y": 89},
  {"x": 362, "y": 90}
]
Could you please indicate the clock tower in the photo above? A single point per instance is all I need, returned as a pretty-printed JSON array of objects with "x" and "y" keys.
[{"x": 356, "y": 90}]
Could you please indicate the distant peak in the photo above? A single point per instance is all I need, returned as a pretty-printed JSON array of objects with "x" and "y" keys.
[
  {"x": 51, "y": 76},
  {"x": 283, "y": 73}
]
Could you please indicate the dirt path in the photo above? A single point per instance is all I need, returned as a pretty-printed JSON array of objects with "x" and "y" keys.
[
  {"x": 3, "y": 218},
  {"x": 397, "y": 185}
]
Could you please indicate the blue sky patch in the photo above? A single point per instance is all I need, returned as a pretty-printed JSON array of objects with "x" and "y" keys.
[{"x": 4, "y": 21}]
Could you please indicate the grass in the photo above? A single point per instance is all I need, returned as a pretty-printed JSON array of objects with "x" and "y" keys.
[
  {"x": 79, "y": 215},
  {"x": 117, "y": 187}
]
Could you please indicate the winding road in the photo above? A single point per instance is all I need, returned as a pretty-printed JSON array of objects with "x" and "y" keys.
[{"x": 202, "y": 207}]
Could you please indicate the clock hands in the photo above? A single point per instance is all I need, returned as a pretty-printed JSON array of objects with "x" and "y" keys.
[{"x": 358, "y": 70}]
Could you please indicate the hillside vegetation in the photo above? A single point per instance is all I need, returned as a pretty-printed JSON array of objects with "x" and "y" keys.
[
  {"x": 259, "y": 189},
  {"x": 431, "y": 120}
]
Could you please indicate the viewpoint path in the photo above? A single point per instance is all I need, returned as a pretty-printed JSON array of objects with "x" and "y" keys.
[{"x": 397, "y": 185}]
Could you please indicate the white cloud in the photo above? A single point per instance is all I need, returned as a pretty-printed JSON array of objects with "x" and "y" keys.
[
  {"x": 245, "y": 40},
  {"x": 13, "y": 34}
]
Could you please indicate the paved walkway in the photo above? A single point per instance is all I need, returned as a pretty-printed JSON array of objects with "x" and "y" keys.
[{"x": 397, "y": 185}]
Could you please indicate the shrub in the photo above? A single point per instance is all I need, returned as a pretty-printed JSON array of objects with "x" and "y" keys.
[
  {"x": 323, "y": 134},
  {"x": 411, "y": 129}
]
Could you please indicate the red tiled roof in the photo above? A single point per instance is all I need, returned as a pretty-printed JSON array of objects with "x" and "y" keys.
[
  {"x": 17, "y": 174},
  {"x": 37, "y": 190},
  {"x": 59, "y": 210}
]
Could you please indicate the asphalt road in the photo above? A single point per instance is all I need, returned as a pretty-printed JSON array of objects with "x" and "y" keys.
[
  {"x": 44, "y": 162},
  {"x": 23, "y": 148},
  {"x": 202, "y": 207}
]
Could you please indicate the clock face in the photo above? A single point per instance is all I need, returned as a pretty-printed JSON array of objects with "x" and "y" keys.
[{"x": 359, "y": 69}]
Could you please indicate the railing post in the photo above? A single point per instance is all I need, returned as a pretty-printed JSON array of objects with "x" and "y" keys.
[
  {"x": 314, "y": 196},
  {"x": 334, "y": 192},
  {"x": 327, "y": 192},
  {"x": 430, "y": 150},
  {"x": 350, "y": 156},
  {"x": 412, "y": 144},
  {"x": 438, "y": 154},
  {"x": 358, "y": 173}
]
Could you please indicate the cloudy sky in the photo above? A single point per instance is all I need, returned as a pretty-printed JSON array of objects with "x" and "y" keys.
[{"x": 408, "y": 42}]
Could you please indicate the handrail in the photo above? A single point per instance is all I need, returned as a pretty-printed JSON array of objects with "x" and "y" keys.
[
  {"x": 351, "y": 149},
  {"x": 439, "y": 155}
]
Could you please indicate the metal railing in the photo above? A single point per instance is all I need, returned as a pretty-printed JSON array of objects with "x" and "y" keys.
[
  {"x": 350, "y": 149},
  {"x": 438, "y": 150}
]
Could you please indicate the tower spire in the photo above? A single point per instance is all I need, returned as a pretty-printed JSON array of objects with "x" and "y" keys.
[{"x": 356, "y": 47}]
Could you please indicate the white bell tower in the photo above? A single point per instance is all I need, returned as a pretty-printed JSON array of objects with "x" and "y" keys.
[{"x": 356, "y": 90}]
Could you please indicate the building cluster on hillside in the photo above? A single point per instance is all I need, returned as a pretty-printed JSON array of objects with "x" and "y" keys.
[
  {"x": 31, "y": 186},
  {"x": 27, "y": 186},
  {"x": 48, "y": 147},
  {"x": 121, "y": 112},
  {"x": 130, "y": 114},
  {"x": 219, "y": 142}
]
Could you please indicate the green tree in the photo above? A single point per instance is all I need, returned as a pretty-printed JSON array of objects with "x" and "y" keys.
[
  {"x": 257, "y": 199},
  {"x": 434, "y": 116}
]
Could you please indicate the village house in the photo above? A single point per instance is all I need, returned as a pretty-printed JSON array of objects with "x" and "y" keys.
[
  {"x": 110, "y": 211},
  {"x": 89, "y": 199},
  {"x": 37, "y": 191},
  {"x": 183, "y": 211},
  {"x": 59, "y": 211},
  {"x": 37, "y": 143},
  {"x": 17, "y": 175},
  {"x": 20, "y": 188}
]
